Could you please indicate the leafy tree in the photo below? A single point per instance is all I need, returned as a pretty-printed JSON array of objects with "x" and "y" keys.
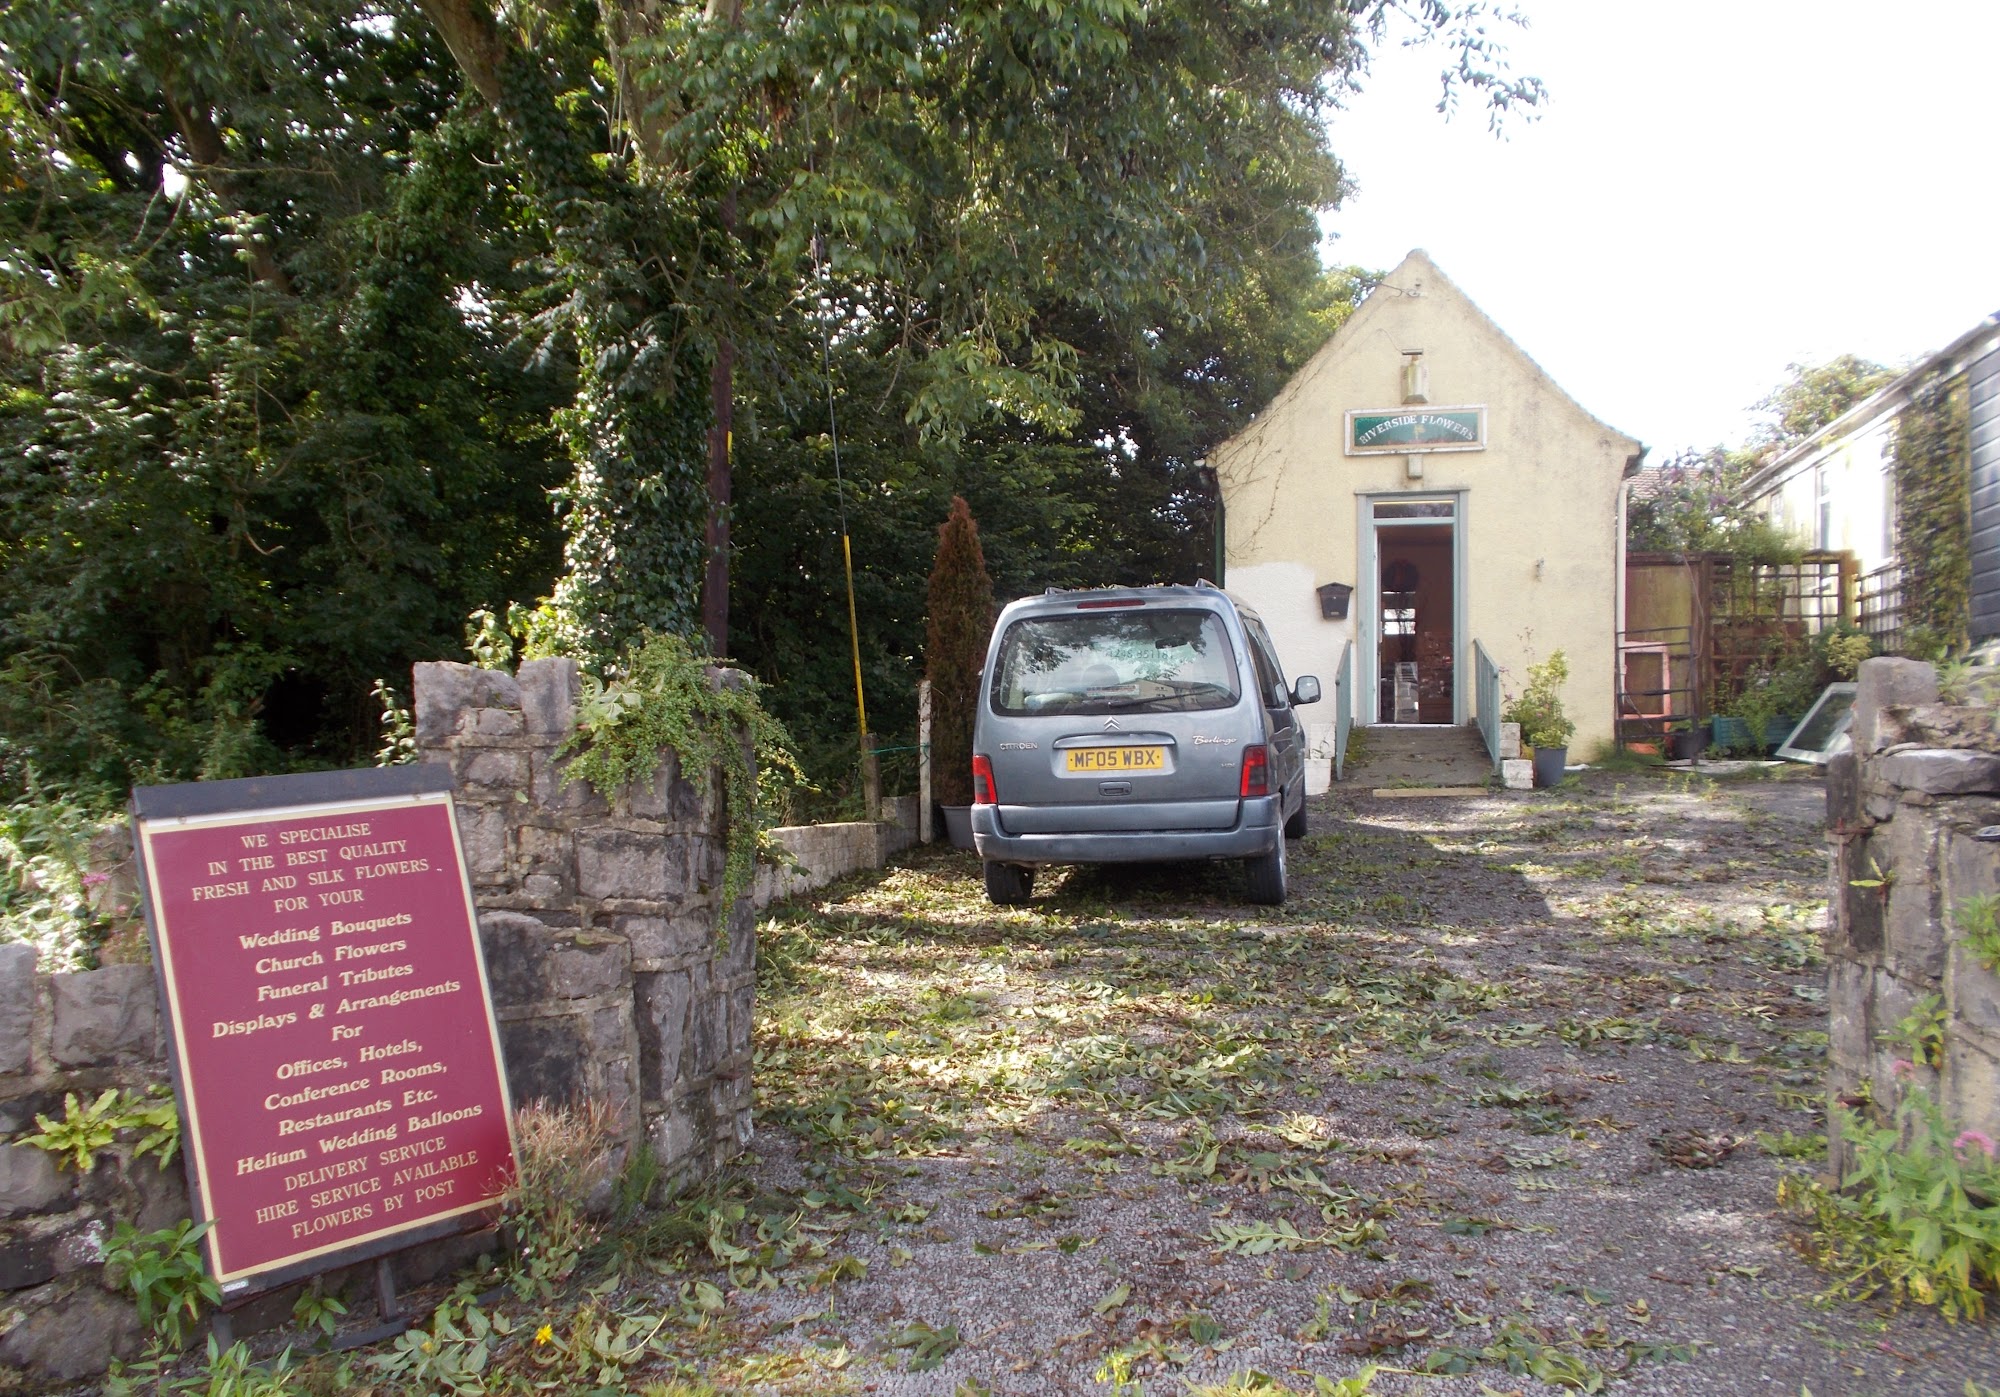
[
  {"x": 974, "y": 182},
  {"x": 1690, "y": 503},
  {"x": 1813, "y": 396},
  {"x": 1119, "y": 499},
  {"x": 265, "y": 438},
  {"x": 1693, "y": 503},
  {"x": 308, "y": 313}
]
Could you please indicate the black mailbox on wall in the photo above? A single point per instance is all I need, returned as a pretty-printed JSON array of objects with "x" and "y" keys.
[{"x": 1333, "y": 600}]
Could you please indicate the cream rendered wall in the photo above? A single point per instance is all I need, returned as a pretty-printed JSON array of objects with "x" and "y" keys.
[
  {"x": 1540, "y": 512},
  {"x": 1282, "y": 594},
  {"x": 1857, "y": 469}
]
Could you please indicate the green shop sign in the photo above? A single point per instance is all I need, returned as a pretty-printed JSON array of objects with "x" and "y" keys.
[{"x": 1405, "y": 430}]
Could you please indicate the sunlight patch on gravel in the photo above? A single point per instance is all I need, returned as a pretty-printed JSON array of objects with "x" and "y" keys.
[{"x": 1137, "y": 1135}]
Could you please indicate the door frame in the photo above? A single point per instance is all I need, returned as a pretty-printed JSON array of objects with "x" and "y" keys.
[{"x": 1368, "y": 667}]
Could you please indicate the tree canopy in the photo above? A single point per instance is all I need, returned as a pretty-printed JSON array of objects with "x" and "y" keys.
[
  {"x": 321, "y": 327},
  {"x": 1813, "y": 396}
]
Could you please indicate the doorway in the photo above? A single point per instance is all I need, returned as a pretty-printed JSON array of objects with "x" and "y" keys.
[{"x": 1416, "y": 577}]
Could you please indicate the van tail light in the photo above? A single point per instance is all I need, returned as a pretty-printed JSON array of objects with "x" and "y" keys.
[
  {"x": 1256, "y": 771},
  {"x": 984, "y": 792}
]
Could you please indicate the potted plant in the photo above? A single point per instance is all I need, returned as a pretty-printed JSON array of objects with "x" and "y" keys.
[
  {"x": 957, "y": 624},
  {"x": 1544, "y": 726},
  {"x": 1685, "y": 740}
]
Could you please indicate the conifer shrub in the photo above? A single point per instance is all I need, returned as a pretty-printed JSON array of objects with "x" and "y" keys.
[{"x": 958, "y": 622}]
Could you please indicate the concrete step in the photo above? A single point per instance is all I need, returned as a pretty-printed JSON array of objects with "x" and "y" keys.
[{"x": 1438, "y": 754}]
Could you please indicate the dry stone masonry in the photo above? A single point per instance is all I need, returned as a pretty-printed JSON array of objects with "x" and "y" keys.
[
  {"x": 60, "y": 1313},
  {"x": 612, "y": 976},
  {"x": 1905, "y": 811},
  {"x": 611, "y": 982}
]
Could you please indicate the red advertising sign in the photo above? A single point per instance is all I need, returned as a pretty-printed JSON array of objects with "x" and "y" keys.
[{"x": 338, "y": 1064}]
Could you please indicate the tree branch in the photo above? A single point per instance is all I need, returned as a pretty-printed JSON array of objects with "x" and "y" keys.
[
  {"x": 204, "y": 143},
  {"x": 468, "y": 30}
]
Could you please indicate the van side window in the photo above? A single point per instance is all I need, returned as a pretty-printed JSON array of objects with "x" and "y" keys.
[{"x": 1270, "y": 678}]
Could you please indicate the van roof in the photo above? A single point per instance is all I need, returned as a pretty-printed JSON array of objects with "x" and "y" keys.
[
  {"x": 1149, "y": 589},
  {"x": 1090, "y": 598}
]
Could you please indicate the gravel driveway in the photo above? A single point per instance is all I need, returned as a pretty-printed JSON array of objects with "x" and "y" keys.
[{"x": 1500, "y": 1098}]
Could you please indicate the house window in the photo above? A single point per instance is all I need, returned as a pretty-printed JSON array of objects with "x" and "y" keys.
[
  {"x": 1415, "y": 509},
  {"x": 1823, "y": 502},
  {"x": 1888, "y": 510}
]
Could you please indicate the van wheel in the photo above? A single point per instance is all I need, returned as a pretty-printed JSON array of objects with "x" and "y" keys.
[
  {"x": 1008, "y": 883},
  {"x": 1267, "y": 877},
  {"x": 1295, "y": 828}
]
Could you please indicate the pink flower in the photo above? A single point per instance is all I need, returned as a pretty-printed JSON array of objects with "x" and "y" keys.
[
  {"x": 91, "y": 880},
  {"x": 1973, "y": 1137},
  {"x": 1903, "y": 1068}
]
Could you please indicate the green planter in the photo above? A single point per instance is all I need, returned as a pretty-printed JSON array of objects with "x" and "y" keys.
[{"x": 1734, "y": 733}]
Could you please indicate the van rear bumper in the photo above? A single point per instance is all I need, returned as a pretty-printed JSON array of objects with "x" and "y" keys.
[{"x": 1258, "y": 828}]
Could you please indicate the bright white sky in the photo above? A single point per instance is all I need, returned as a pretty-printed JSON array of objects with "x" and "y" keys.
[{"x": 1716, "y": 189}]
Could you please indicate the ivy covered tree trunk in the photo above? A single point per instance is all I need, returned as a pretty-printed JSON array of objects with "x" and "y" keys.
[
  {"x": 635, "y": 511},
  {"x": 959, "y": 622}
]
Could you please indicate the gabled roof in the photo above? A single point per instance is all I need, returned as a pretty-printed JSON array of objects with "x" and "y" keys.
[{"x": 1418, "y": 274}]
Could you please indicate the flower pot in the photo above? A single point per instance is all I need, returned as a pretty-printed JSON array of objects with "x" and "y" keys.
[
  {"x": 1687, "y": 745},
  {"x": 1550, "y": 763},
  {"x": 958, "y": 825}
]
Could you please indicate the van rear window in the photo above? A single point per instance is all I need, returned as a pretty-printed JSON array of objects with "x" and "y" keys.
[{"x": 1142, "y": 661}]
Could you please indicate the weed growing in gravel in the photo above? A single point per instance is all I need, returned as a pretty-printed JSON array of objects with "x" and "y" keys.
[
  {"x": 1584, "y": 1361},
  {"x": 567, "y": 1157},
  {"x": 1783, "y": 1144},
  {"x": 1256, "y": 1383},
  {"x": 1922, "y": 1220}
]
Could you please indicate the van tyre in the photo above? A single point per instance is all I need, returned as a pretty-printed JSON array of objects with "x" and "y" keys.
[
  {"x": 1267, "y": 877},
  {"x": 1295, "y": 827},
  {"x": 1008, "y": 883}
]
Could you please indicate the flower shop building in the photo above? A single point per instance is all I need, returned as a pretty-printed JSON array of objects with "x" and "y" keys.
[{"x": 1422, "y": 492}]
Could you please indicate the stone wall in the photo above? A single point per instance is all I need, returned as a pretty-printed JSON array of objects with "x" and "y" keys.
[
  {"x": 612, "y": 978},
  {"x": 84, "y": 1033},
  {"x": 610, "y": 982},
  {"x": 1904, "y": 811},
  {"x": 821, "y": 854}
]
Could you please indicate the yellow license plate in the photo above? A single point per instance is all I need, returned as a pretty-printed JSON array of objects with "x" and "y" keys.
[{"x": 1115, "y": 759}]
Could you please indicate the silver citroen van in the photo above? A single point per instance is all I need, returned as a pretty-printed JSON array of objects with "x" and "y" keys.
[{"x": 1132, "y": 724}]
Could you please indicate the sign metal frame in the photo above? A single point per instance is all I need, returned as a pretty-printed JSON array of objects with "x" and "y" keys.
[{"x": 263, "y": 800}]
